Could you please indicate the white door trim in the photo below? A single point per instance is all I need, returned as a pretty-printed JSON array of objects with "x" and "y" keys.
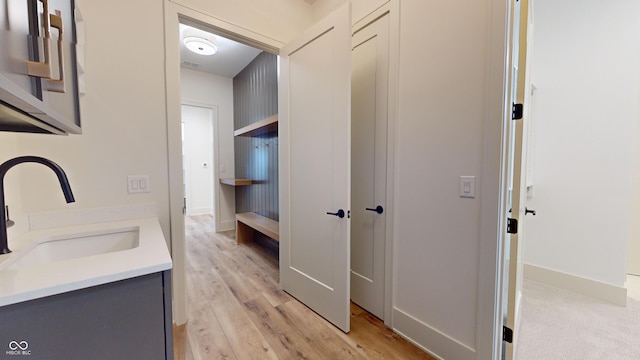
[{"x": 492, "y": 182}]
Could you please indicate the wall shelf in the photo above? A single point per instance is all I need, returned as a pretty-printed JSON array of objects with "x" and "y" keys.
[
  {"x": 236, "y": 182},
  {"x": 261, "y": 127}
]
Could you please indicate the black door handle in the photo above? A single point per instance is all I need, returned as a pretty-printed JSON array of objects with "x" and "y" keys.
[
  {"x": 339, "y": 214},
  {"x": 527, "y": 211},
  {"x": 377, "y": 209}
]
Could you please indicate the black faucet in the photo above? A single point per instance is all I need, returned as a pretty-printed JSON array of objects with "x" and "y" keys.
[{"x": 62, "y": 177}]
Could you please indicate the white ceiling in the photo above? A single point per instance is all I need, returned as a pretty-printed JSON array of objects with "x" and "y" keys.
[{"x": 230, "y": 59}]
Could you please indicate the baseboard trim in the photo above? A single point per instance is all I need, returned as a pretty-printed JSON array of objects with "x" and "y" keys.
[
  {"x": 227, "y": 225},
  {"x": 440, "y": 345},
  {"x": 200, "y": 211},
  {"x": 177, "y": 327},
  {"x": 577, "y": 284}
]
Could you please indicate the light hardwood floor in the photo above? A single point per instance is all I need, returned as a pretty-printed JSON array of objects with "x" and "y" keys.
[{"x": 237, "y": 310}]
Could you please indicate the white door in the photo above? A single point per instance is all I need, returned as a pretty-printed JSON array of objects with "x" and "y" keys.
[
  {"x": 514, "y": 243},
  {"x": 198, "y": 159},
  {"x": 314, "y": 133},
  {"x": 369, "y": 82}
]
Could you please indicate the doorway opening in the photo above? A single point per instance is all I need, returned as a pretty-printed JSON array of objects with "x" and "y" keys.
[
  {"x": 198, "y": 164},
  {"x": 207, "y": 89},
  {"x": 228, "y": 169},
  {"x": 543, "y": 262}
]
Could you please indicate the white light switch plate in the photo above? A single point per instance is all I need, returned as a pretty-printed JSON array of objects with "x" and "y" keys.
[
  {"x": 138, "y": 184},
  {"x": 468, "y": 186}
]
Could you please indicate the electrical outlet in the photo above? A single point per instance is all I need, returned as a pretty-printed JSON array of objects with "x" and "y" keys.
[{"x": 138, "y": 184}]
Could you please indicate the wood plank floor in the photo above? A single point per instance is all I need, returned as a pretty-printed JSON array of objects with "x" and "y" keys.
[{"x": 237, "y": 310}]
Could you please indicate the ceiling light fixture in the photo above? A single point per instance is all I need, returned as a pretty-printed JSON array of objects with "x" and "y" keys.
[{"x": 200, "y": 45}]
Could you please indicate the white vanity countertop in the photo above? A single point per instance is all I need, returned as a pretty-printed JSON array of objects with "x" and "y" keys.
[{"x": 37, "y": 281}]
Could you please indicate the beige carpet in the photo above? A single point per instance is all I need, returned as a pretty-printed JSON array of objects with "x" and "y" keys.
[{"x": 558, "y": 324}]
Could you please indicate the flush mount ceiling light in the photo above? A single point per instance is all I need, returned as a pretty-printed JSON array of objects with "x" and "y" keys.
[
  {"x": 199, "y": 41},
  {"x": 200, "y": 45}
]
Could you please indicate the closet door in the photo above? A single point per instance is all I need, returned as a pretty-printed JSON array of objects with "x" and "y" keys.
[
  {"x": 315, "y": 152},
  {"x": 369, "y": 100}
]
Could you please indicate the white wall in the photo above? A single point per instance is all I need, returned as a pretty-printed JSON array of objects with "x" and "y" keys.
[
  {"x": 359, "y": 8},
  {"x": 585, "y": 68},
  {"x": 362, "y": 8},
  {"x": 199, "y": 87},
  {"x": 123, "y": 117}
]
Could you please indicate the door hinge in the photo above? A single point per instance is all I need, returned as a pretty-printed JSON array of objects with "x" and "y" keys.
[
  {"x": 507, "y": 334},
  {"x": 516, "y": 111},
  {"x": 512, "y": 226}
]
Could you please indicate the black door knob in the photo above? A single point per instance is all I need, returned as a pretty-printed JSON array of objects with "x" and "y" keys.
[
  {"x": 339, "y": 214},
  {"x": 527, "y": 211},
  {"x": 377, "y": 209}
]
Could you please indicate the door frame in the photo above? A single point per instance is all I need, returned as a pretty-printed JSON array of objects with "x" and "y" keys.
[
  {"x": 175, "y": 14},
  {"x": 494, "y": 182},
  {"x": 517, "y": 167},
  {"x": 215, "y": 160},
  {"x": 392, "y": 8}
]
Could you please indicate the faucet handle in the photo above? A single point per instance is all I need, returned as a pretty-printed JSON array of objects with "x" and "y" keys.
[{"x": 9, "y": 222}]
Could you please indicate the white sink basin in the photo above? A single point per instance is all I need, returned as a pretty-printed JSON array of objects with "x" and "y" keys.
[
  {"x": 50, "y": 261},
  {"x": 72, "y": 246}
]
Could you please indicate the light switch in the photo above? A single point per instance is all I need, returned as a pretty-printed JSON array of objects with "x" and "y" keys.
[
  {"x": 138, "y": 184},
  {"x": 468, "y": 186}
]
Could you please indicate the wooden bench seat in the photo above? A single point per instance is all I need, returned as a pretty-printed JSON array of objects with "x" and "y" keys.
[{"x": 248, "y": 223}]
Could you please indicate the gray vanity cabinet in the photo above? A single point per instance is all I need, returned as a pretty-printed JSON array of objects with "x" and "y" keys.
[
  {"x": 38, "y": 67},
  {"x": 128, "y": 319}
]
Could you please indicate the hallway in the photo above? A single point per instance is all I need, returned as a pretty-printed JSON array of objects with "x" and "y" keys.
[{"x": 238, "y": 311}]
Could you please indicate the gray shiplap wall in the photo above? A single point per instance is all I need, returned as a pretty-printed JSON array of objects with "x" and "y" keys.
[{"x": 255, "y": 97}]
